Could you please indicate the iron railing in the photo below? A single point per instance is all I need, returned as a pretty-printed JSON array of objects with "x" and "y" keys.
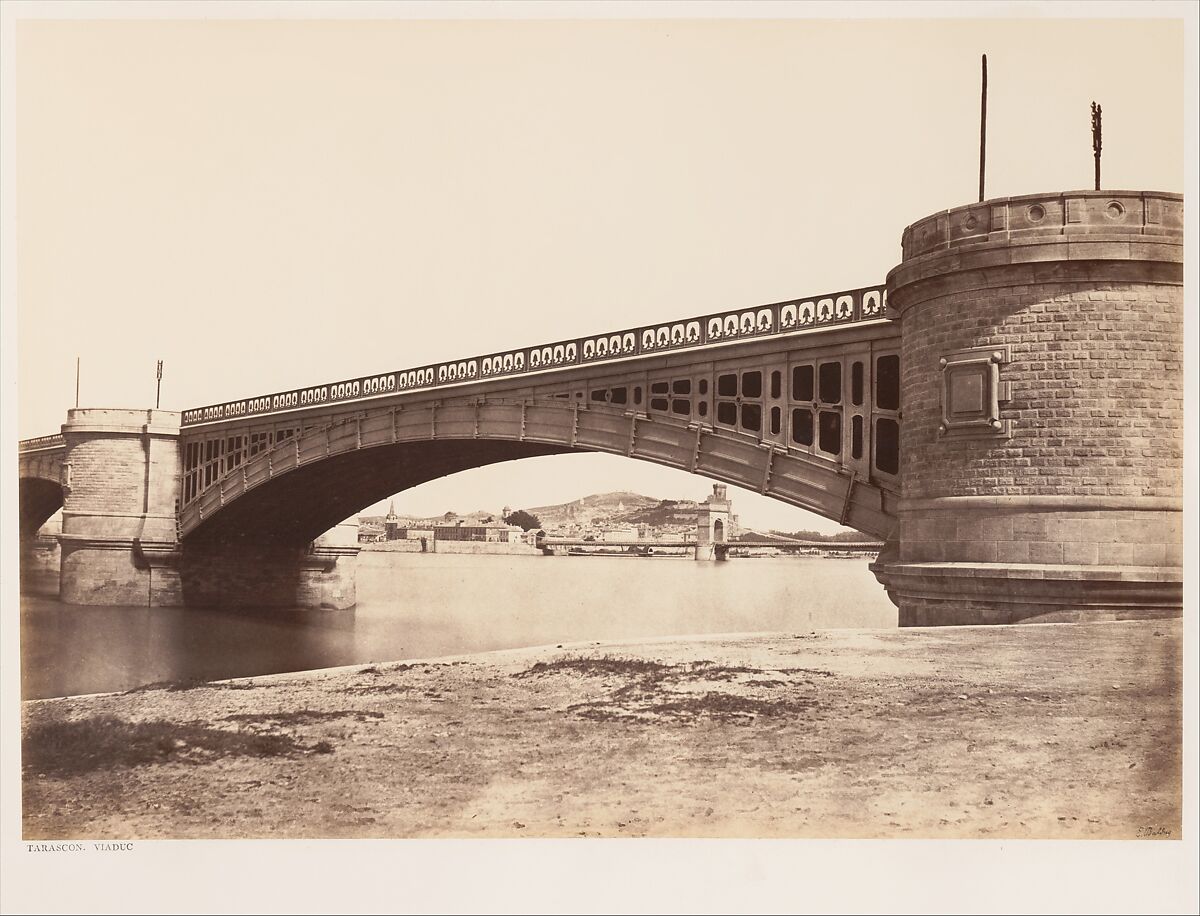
[{"x": 817, "y": 312}]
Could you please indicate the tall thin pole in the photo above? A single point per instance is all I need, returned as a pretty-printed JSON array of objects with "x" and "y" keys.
[
  {"x": 158, "y": 389},
  {"x": 1097, "y": 134},
  {"x": 982, "y": 126},
  {"x": 76, "y": 381}
]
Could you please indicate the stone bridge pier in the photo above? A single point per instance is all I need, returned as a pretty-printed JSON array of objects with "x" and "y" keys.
[
  {"x": 40, "y": 560},
  {"x": 120, "y": 481},
  {"x": 1042, "y": 396},
  {"x": 120, "y": 484}
]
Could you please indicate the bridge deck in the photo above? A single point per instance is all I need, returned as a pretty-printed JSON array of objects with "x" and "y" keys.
[{"x": 781, "y": 399}]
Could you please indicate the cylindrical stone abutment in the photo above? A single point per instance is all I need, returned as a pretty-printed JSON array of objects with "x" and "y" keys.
[
  {"x": 1042, "y": 396},
  {"x": 120, "y": 482}
]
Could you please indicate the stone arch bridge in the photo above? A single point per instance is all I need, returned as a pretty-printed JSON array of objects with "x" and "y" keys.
[{"x": 1006, "y": 411}]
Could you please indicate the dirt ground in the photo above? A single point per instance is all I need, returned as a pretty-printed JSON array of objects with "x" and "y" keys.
[{"x": 1056, "y": 731}]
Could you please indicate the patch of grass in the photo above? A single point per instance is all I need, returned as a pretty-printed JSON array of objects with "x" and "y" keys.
[
  {"x": 683, "y": 708},
  {"x": 598, "y": 666},
  {"x": 647, "y": 693},
  {"x": 727, "y": 705},
  {"x": 608, "y": 665},
  {"x": 107, "y": 742},
  {"x": 713, "y": 672},
  {"x": 301, "y": 717},
  {"x": 364, "y": 689},
  {"x": 190, "y": 684}
]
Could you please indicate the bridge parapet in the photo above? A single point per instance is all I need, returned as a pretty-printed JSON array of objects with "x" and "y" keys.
[
  {"x": 793, "y": 316},
  {"x": 1134, "y": 219},
  {"x": 41, "y": 443}
]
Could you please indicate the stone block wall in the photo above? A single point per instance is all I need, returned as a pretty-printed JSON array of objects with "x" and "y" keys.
[
  {"x": 120, "y": 482},
  {"x": 1095, "y": 372},
  {"x": 1070, "y": 497}
]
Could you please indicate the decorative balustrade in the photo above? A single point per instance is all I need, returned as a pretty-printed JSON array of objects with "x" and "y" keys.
[
  {"x": 41, "y": 442},
  {"x": 813, "y": 313}
]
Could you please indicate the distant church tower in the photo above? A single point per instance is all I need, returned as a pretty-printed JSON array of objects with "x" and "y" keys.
[
  {"x": 391, "y": 524},
  {"x": 713, "y": 523}
]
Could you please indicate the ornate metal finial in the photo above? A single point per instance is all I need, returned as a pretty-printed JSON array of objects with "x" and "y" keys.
[{"x": 1097, "y": 132}]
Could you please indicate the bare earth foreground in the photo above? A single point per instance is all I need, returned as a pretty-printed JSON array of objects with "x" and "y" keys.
[{"x": 1057, "y": 730}]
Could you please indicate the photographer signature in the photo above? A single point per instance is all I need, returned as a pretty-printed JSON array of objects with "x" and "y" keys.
[{"x": 1153, "y": 831}]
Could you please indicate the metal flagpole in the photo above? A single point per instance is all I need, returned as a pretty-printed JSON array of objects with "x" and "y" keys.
[
  {"x": 1096, "y": 139},
  {"x": 158, "y": 390},
  {"x": 982, "y": 126}
]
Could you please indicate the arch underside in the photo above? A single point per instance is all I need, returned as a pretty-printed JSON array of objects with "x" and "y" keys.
[
  {"x": 299, "y": 506},
  {"x": 305, "y": 486},
  {"x": 39, "y": 499}
]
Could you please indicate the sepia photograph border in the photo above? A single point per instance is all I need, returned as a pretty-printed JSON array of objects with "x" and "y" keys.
[{"x": 537, "y": 875}]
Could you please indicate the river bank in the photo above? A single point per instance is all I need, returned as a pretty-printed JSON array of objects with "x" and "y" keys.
[{"x": 1062, "y": 731}]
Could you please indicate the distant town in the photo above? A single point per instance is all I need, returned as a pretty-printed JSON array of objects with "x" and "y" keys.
[{"x": 621, "y": 516}]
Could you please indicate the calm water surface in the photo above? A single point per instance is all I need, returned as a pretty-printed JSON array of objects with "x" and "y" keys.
[{"x": 422, "y": 605}]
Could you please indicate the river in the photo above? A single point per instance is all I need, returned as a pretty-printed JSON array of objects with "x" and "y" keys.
[{"x": 425, "y": 605}]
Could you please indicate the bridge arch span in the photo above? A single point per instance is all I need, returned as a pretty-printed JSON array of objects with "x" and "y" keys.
[
  {"x": 305, "y": 485},
  {"x": 41, "y": 491}
]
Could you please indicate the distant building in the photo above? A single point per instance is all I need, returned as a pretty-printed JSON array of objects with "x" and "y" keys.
[
  {"x": 715, "y": 523},
  {"x": 620, "y": 534},
  {"x": 391, "y": 523},
  {"x": 493, "y": 534},
  {"x": 369, "y": 533}
]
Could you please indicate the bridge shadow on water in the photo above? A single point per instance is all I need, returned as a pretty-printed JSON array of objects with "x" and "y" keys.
[{"x": 68, "y": 650}]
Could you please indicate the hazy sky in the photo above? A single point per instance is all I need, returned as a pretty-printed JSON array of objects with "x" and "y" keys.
[{"x": 269, "y": 204}]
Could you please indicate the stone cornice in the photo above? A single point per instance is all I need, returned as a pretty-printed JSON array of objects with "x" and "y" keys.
[
  {"x": 1072, "y": 214},
  {"x": 114, "y": 421},
  {"x": 1134, "y": 236}
]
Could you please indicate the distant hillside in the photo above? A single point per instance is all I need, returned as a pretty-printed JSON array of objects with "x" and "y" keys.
[
  {"x": 664, "y": 512},
  {"x": 606, "y": 507},
  {"x": 623, "y": 508}
]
